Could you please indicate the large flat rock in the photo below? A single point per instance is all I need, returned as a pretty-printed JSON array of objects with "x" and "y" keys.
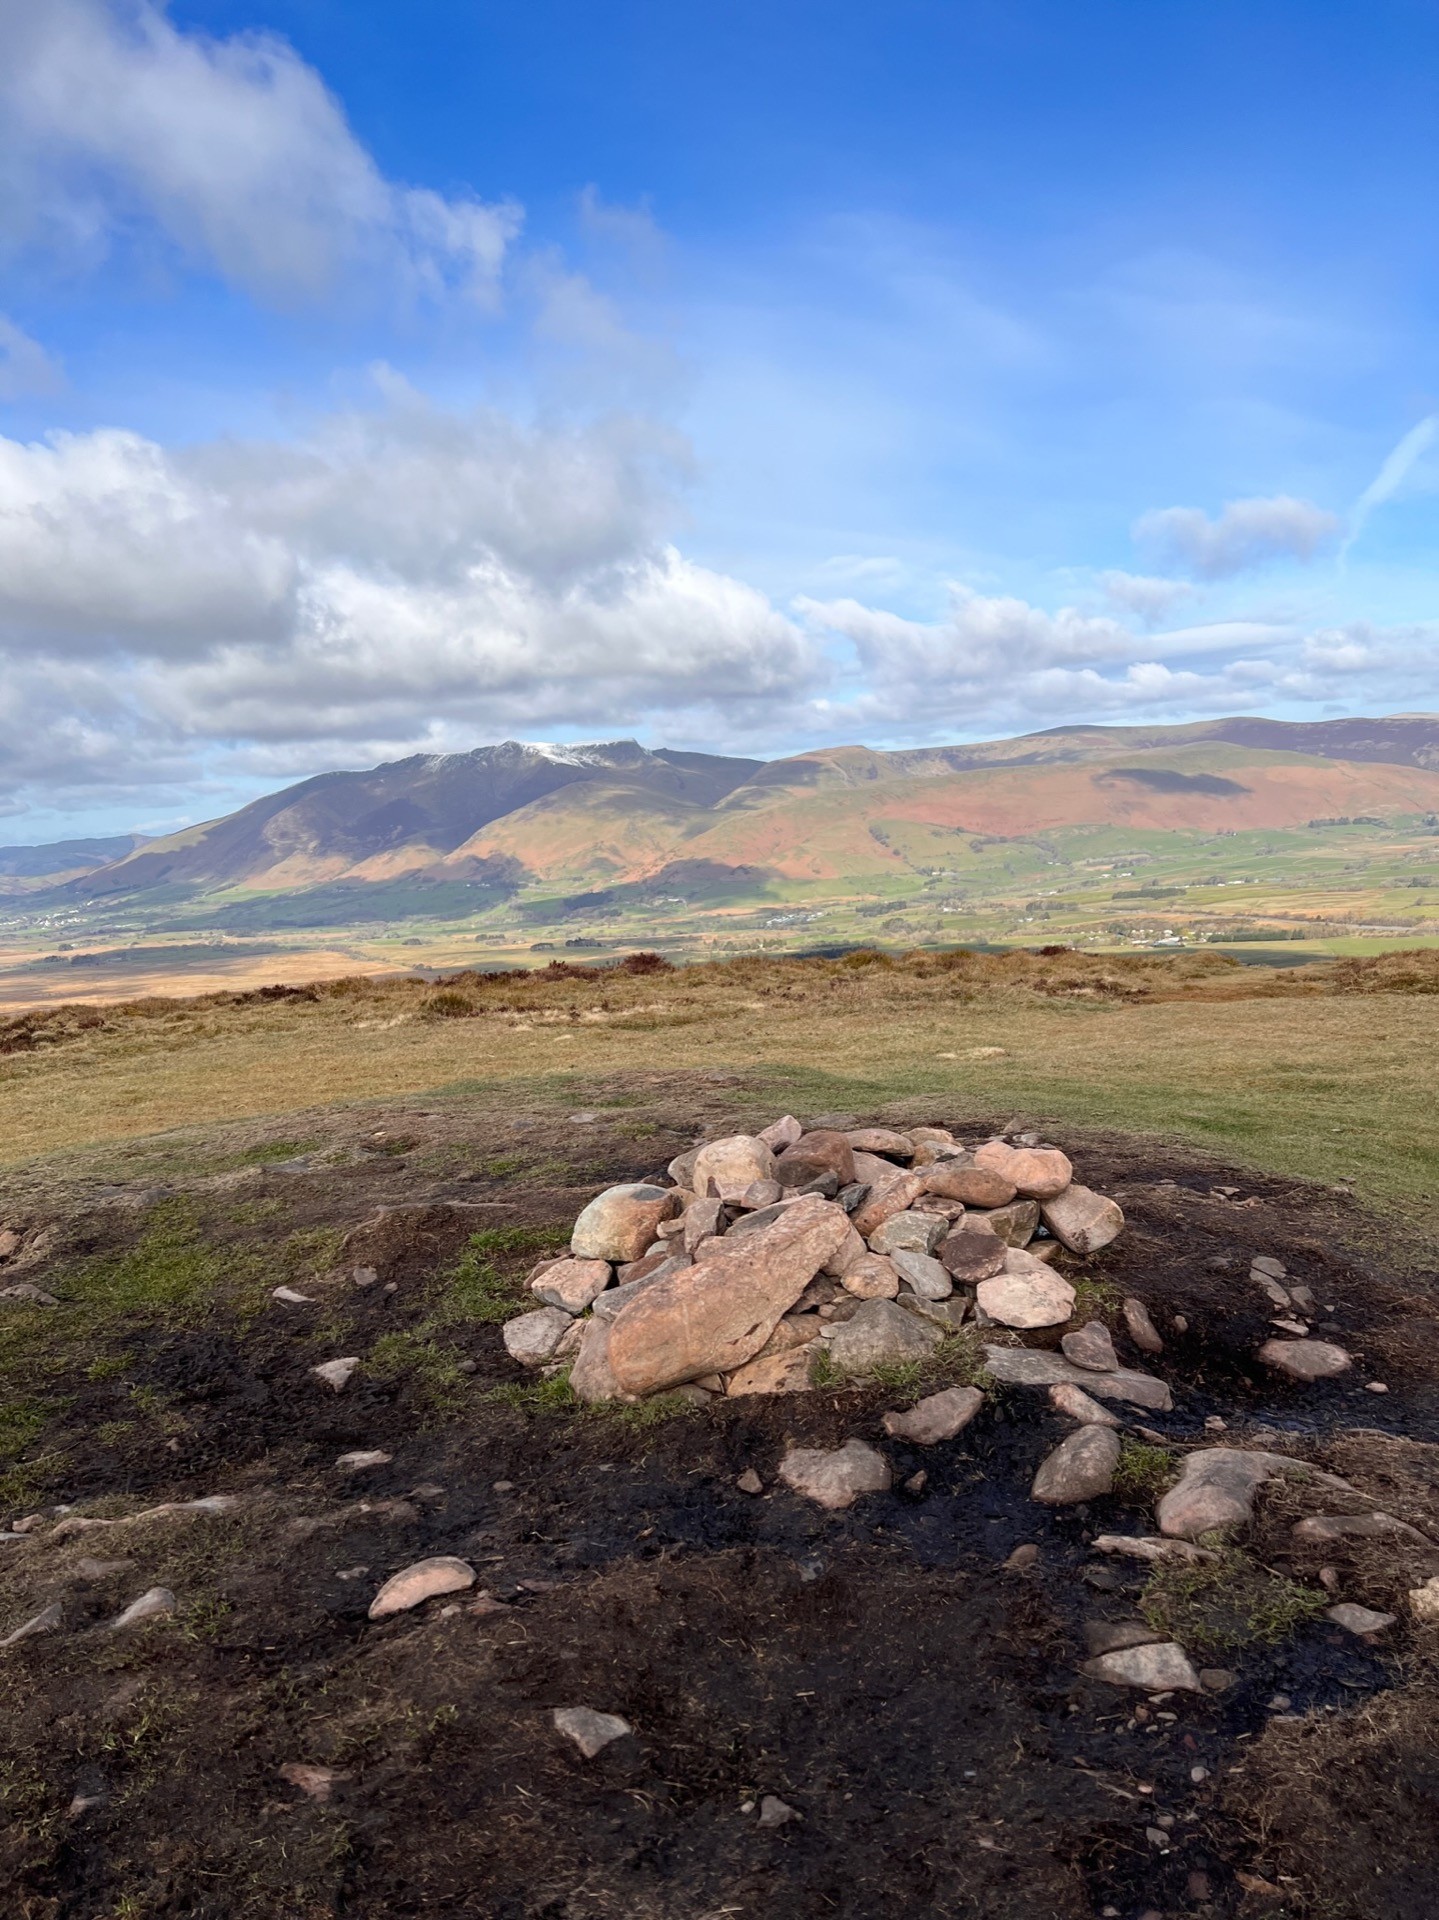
[
  {"x": 1028, "y": 1367},
  {"x": 715, "y": 1316}
]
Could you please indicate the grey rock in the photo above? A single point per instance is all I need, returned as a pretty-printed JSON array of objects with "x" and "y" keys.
[
  {"x": 531, "y": 1338},
  {"x": 835, "y": 1477},
  {"x": 1026, "y": 1294},
  {"x": 1143, "y": 1546},
  {"x": 750, "y": 1482},
  {"x": 1305, "y": 1360},
  {"x": 909, "y": 1232},
  {"x": 774, "y": 1812},
  {"x": 46, "y": 1621},
  {"x": 1084, "y": 1221},
  {"x": 154, "y": 1605},
  {"x": 1081, "y": 1467},
  {"x": 590, "y": 1730},
  {"x": 1090, "y": 1347},
  {"x": 1028, "y": 1367},
  {"x": 940, "y": 1416},
  {"x": 336, "y": 1373},
  {"x": 1076, "y": 1404},
  {"x": 1325, "y": 1527},
  {"x": 880, "y": 1333},
  {"x": 358, "y": 1462},
  {"x": 1267, "y": 1264},
  {"x": 1158, "y": 1667},
  {"x": 572, "y": 1285},
  {"x": 1217, "y": 1486},
  {"x": 1356, "y": 1619},
  {"x": 1142, "y": 1330},
  {"x": 925, "y": 1275},
  {"x": 948, "y": 1315}
]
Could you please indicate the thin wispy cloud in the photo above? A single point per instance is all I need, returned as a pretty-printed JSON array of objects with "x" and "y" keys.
[{"x": 1393, "y": 476}]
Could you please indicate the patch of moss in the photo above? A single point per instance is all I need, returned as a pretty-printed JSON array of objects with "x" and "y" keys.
[
  {"x": 546, "y": 1395},
  {"x": 479, "y": 1288},
  {"x": 168, "y": 1272},
  {"x": 1225, "y": 1603},
  {"x": 1095, "y": 1300},
  {"x": 270, "y": 1151},
  {"x": 428, "y": 1368},
  {"x": 1143, "y": 1475}
]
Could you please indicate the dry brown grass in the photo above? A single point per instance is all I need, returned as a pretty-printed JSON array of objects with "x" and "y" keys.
[{"x": 1322, "y": 1071}]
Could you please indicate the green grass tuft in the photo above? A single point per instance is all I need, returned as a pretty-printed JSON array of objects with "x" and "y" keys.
[
  {"x": 1226, "y": 1603},
  {"x": 1143, "y": 1475}
]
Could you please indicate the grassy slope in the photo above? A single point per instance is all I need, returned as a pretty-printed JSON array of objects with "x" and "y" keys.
[{"x": 1281, "y": 1072}]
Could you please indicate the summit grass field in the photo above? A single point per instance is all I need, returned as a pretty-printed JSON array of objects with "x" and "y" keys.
[{"x": 1324, "y": 1072}]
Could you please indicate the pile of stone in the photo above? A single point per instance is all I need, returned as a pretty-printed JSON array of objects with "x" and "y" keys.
[{"x": 771, "y": 1250}]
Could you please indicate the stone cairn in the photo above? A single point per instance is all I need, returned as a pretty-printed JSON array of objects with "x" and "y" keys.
[{"x": 774, "y": 1249}]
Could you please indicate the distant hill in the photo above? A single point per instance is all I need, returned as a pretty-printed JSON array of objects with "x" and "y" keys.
[
  {"x": 59, "y": 859},
  {"x": 462, "y": 830}
]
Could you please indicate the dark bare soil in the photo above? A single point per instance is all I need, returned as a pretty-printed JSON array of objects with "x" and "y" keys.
[{"x": 916, "y": 1702}]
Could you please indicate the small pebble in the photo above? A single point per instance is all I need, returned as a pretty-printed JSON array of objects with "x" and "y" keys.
[
  {"x": 1022, "y": 1558},
  {"x": 1181, "y": 1325},
  {"x": 503, "y": 1486},
  {"x": 915, "y": 1482},
  {"x": 1375, "y": 1386},
  {"x": 750, "y": 1482},
  {"x": 1281, "y": 1703},
  {"x": 774, "y": 1812},
  {"x": 1197, "y": 1774}
]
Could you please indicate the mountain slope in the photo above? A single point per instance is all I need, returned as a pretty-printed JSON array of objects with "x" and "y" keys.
[{"x": 503, "y": 817}]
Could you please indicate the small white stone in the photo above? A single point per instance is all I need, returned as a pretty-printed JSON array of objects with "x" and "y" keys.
[
  {"x": 336, "y": 1373},
  {"x": 1356, "y": 1619},
  {"x": 357, "y": 1462},
  {"x": 153, "y": 1605},
  {"x": 591, "y": 1732}
]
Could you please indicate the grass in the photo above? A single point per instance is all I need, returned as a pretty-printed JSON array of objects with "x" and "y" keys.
[
  {"x": 1144, "y": 1473},
  {"x": 479, "y": 1289},
  {"x": 1322, "y": 1072},
  {"x": 1226, "y": 1603}
]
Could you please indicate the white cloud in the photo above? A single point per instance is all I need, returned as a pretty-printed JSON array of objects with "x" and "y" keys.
[
  {"x": 115, "y": 122},
  {"x": 1140, "y": 593},
  {"x": 26, "y": 369},
  {"x": 1394, "y": 476},
  {"x": 394, "y": 576},
  {"x": 1248, "y": 533}
]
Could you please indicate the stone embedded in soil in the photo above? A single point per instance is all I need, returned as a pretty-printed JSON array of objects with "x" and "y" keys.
[
  {"x": 726, "y": 1168},
  {"x": 1424, "y": 1602},
  {"x": 974, "y": 1186},
  {"x": 908, "y": 1233},
  {"x": 318, "y": 1783},
  {"x": 1090, "y": 1347},
  {"x": 1023, "y": 1558},
  {"x": 154, "y": 1605},
  {"x": 787, "y": 1372},
  {"x": 750, "y": 1482},
  {"x": 1015, "y": 1224},
  {"x": 358, "y": 1461},
  {"x": 48, "y": 1620},
  {"x": 939, "y": 1416},
  {"x": 1029, "y": 1367},
  {"x": 812, "y": 1156},
  {"x": 718, "y": 1314},
  {"x": 1113, "y": 1636},
  {"x": 590, "y": 1730},
  {"x": 781, "y": 1133},
  {"x": 1266, "y": 1263},
  {"x": 1159, "y": 1667},
  {"x": 882, "y": 1141},
  {"x": 1326, "y": 1527},
  {"x": 1305, "y": 1359},
  {"x": 1142, "y": 1330},
  {"x": 572, "y": 1285},
  {"x": 1081, "y": 1467},
  {"x": 774, "y": 1812},
  {"x": 591, "y": 1377},
  {"x": 835, "y": 1477},
  {"x": 442, "y": 1573},
  {"x": 880, "y": 1334},
  {"x": 1148, "y": 1546},
  {"x": 1356, "y": 1619},
  {"x": 923, "y": 1274},
  {"x": 1082, "y": 1219},
  {"x": 336, "y": 1373},
  {"x": 872, "y": 1278},
  {"x": 1026, "y": 1294},
  {"x": 288, "y": 1297},
  {"x": 28, "y": 1294},
  {"x": 1217, "y": 1486},
  {"x": 531, "y": 1338},
  {"x": 620, "y": 1223},
  {"x": 972, "y": 1255},
  {"x": 1076, "y": 1404},
  {"x": 1037, "y": 1173}
]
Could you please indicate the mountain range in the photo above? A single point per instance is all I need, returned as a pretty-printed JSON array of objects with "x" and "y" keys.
[{"x": 502, "y": 819}]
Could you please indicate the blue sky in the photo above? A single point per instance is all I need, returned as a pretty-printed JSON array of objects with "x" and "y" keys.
[{"x": 380, "y": 379}]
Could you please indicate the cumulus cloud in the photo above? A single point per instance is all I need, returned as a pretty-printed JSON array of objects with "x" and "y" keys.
[
  {"x": 26, "y": 369},
  {"x": 1248, "y": 533},
  {"x": 114, "y": 122},
  {"x": 391, "y": 572}
]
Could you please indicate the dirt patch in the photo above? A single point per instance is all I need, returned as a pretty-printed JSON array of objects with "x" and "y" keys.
[{"x": 882, "y": 1671}]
